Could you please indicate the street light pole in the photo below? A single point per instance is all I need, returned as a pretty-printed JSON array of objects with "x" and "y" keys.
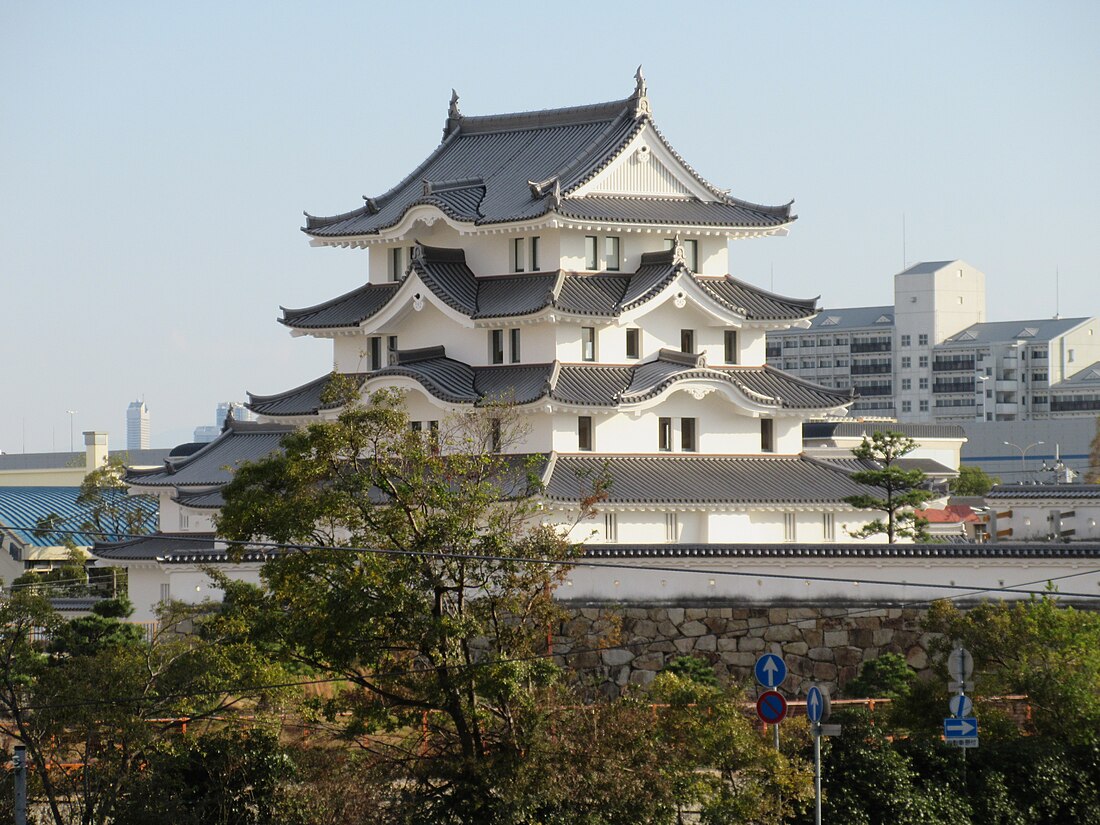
[
  {"x": 71, "y": 414},
  {"x": 1023, "y": 455}
]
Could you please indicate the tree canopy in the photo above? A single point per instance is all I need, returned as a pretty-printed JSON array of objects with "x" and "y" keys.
[{"x": 902, "y": 489}]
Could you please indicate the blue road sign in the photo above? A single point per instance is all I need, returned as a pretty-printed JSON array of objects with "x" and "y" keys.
[
  {"x": 815, "y": 704},
  {"x": 770, "y": 670},
  {"x": 771, "y": 707},
  {"x": 960, "y": 706},
  {"x": 964, "y": 728}
]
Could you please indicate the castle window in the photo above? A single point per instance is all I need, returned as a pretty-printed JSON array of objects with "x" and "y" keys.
[
  {"x": 535, "y": 254},
  {"x": 610, "y": 527},
  {"x": 496, "y": 346},
  {"x": 584, "y": 433},
  {"x": 672, "y": 527},
  {"x": 397, "y": 263},
  {"x": 513, "y": 335},
  {"x": 664, "y": 434},
  {"x": 687, "y": 340},
  {"x": 829, "y": 526},
  {"x": 376, "y": 353},
  {"x": 588, "y": 343},
  {"x": 731, "y": 346},
  {"x": 691, "y": 255},
  {"x": 687, "y": 435},
  {"x": 633, "y": 343},
  {"x": 790, "y": 527},
  {"x": 767, "y": 435},
  {"x": 612, "y": 257},
  {"x": 518, "y": 254},
  {"x": 591, "y": 259}
]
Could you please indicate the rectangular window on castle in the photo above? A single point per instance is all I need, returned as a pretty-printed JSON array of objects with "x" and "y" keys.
[
  {"x": 513, "y": 335},
  {"x": 591, "y": 253},
  {"x": 829, "y": 526},
  {"x": 496, "y": 346},
  {"x": 691, "y": 255},
  {"x": 518, "y": 254},
  {"x": 397, "y": 263},
  {"x": 610, "y": 527},
  {"x": 672, "y": 527},
  {"x": 165, "y": 592},
  {"x": 376, "y": 353},
  {"x": 731, "y": 346},
  {"x": 535, "y": 254},
  {"x": 611, "y": 256},
  {"x": 588, "y": 343},
  {"x": 584, "y": 433},
  {"x": 767, "y": 435},
  {"x": 664, "y": 434},
  {"x": 790, "y": 527},
  {"x": 687, "y": 435},
  {"x": 687, "y": 340},
  {"x": 391, "y": 349},
  {"x": 634, "y": 343}
]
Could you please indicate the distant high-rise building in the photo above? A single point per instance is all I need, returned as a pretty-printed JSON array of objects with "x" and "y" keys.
[
  {"x": 137, "y": 426},
  {"x": 208, "y": 432}
]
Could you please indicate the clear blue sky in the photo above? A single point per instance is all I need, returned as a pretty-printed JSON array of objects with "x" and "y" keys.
[{"x": 155, "y": 160}]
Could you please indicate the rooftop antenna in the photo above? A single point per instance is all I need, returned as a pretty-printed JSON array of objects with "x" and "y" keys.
[
  {"x": 1057, "y": 293},
  {"x": 903, "y": 257}
]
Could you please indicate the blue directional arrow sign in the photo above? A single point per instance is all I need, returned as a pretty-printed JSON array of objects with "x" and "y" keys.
[
  {"x": 770, "y": 670},
  {"x": 815, "y": 704},
  {"x": 964, "y": 728}
]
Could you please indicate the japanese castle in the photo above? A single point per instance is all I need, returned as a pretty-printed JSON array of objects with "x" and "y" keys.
[{"x": 570, "y": 262}]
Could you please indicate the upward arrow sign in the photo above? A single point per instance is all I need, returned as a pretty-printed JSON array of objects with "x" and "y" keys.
[{"x": 770, "y": 670}]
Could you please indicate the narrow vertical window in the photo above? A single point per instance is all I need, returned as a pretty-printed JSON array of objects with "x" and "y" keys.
[
  {"x": 584, "y": 433},
  {"x": 610, "y": 527},
  {"x": 517, "y": 254},
  {"x": 611, "y": 253},
  {"x": 397, "y": 263},
  {"x": 767, "y": 435},
  {"x": 790, "y": 526},
  {"x": 391, "y": 347},
  {"x": 591, "y": 253},
  {"x": 672, "y": 527},
  {"x": 376, "y": 353},
  {"x": 494, "y": 435},
  {"x": 687, "y": 435},
  {"x": 687, "y": 340},
  {"x": 664, "y": 434},
  {"x": 165, "y": 592},
  {"x": 588, "y": 343},
  {"x": 829, "y": 525},
  {"x": 417, "y": 426},
  {"x": 633, "y": 343},
  {"x": 185, "y": 520},
  {"x": 691, "y": 255},
  {"x": 731, "y": 346},
  {"x": 513, "y": 335},
  {"x": 535, "y": 254},
  {"x": 496, "y": 346}
]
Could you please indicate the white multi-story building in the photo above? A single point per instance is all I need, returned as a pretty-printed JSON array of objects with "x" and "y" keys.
[
  {"x": 137, "y": 426},
  {"x": 571, "y": 263}
]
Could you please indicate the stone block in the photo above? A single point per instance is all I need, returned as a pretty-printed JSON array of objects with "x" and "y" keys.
[
  {"x": 821, "y": 654},
  {"x": 675, "y": 614},
  {"x": 803, "y": 613},
  {"x": 739, "y": 659},
  {"x": 684, "y": 645},
  {"x": 727, "y": 643},
  {"x": 751, "y": 644},
  {"x": 777, "y": 615},
  {"x": 796, "y": 648},
  {"x": 622, "y": 676},
  {"x": 715, "y": 625},
  {"x": 642, "y": 677},
  {"x": 836, "y": 638},
  {"x": 825, "y": 672},
  {"x": 645, "y": 628},
  {"x": 693, "y": 628},
  {"x": 735, "y": 625},
  {"x": 617, "y": 657},
  {"x": 667, "y": 629},
  {"x": 706, "y": 643},
  {"x": 782, "y": 633},
  {"x": 695, "y": 614},
  {"x": 881, "y": 637},
  {"x": 636, "y": 613},
  {"x": 847, "y": 656},
  {"x": 590, "y": 613},
  {"x": 862, "y": 638},
  {"x": 814, "y": 638},
  {"x": 649, "y": 661},
  {"x": 917, "y": 657},
  {"x": 758, "y": 621}
]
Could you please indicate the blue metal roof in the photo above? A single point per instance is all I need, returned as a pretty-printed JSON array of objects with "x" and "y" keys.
[{"x": 22, "y": 507}]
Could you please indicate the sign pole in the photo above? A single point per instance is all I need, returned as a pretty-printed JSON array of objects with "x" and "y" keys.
[
  {"x": 775, "y": 729},
  {"x": 817, "y": 774},
  {"x": 19, "y": 760}
]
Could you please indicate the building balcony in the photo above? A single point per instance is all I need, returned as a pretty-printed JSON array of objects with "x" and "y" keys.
[
  {"x": 774, "y": 352},
  {"x": 883, "y": 368},
  {"x": 953, "y": 365},
  {"x": 871, "y": 346},
  {"x": 953, "y": 386},
  {"x": 1076, "y": 405}
]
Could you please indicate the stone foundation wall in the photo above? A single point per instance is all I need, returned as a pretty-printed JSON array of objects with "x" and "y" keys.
[{"x": 614, "y": 646}]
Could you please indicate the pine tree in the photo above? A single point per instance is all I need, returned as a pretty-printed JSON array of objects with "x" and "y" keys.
[{"x": 902, "y": 489}]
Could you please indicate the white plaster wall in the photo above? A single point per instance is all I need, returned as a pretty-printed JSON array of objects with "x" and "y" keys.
[
  {"x": 1030, "y": 520},
  {"x": 185, "y": 583},
  {"x": 1084, "y": 342}
]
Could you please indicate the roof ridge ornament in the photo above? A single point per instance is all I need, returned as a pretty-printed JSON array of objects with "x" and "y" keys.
[
  {"x": 641, "y": 102},
  {"x": 454, "y": 116},
  {"x": 678, "y": 251}
]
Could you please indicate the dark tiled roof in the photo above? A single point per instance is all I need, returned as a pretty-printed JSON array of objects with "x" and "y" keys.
[
  {"x": 445, "y": 273},
  {"x": 346, "y": 310},
  {"x": 672, "y": 211},
  {"x": 656, "y": 271},
  {"x": 851, "y": 464},
  {"x": 515, "y": 296},
  {"x": 303, "y": 400},
  {"x": 210, "y": 500},
  {"x": 158, "y": 545},
  {"x": 213, "y": 465},
  {"x": 1045, "y": 491},
  {"x": 757, "y": 303},
  {"x": 599, "y": 385},
  {"x": 517, "y": 167},
  {"x": 702, "y": 480},
  {"x": 597, "y": 295},
  {"x": 999, "y": 550},
  {"x": 857, "y": 429}
]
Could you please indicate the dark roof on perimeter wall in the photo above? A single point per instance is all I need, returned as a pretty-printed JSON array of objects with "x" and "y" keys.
[
  {"x": 455, "y": 382},
  {"x": 445, "y": 272},
  {"x": 857, "y": 429},
  {"x": 988, "y": 550},
  {"x": 702, "y": 480},
  {"x": 178, "y": 548},
  {"x": 213, "y": 465},
  {"x": 515, "y": 167},
  {"x": 1045, "y": 491}
]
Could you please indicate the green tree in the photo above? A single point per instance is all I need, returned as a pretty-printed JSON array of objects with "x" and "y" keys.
[
  {"x": 414, "y": 587},
  {"x": 887, "y": 677},
  {"x": 972, "y": 481},
  {"x": 92, "y": 698},
  {"x": 902, "y": 490}
]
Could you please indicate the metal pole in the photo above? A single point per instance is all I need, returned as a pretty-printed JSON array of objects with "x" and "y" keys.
[
  {"x": 817, "y": 774},
  {"x": 775, "y": 734},
  {"x": 19, "y": 762}
]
